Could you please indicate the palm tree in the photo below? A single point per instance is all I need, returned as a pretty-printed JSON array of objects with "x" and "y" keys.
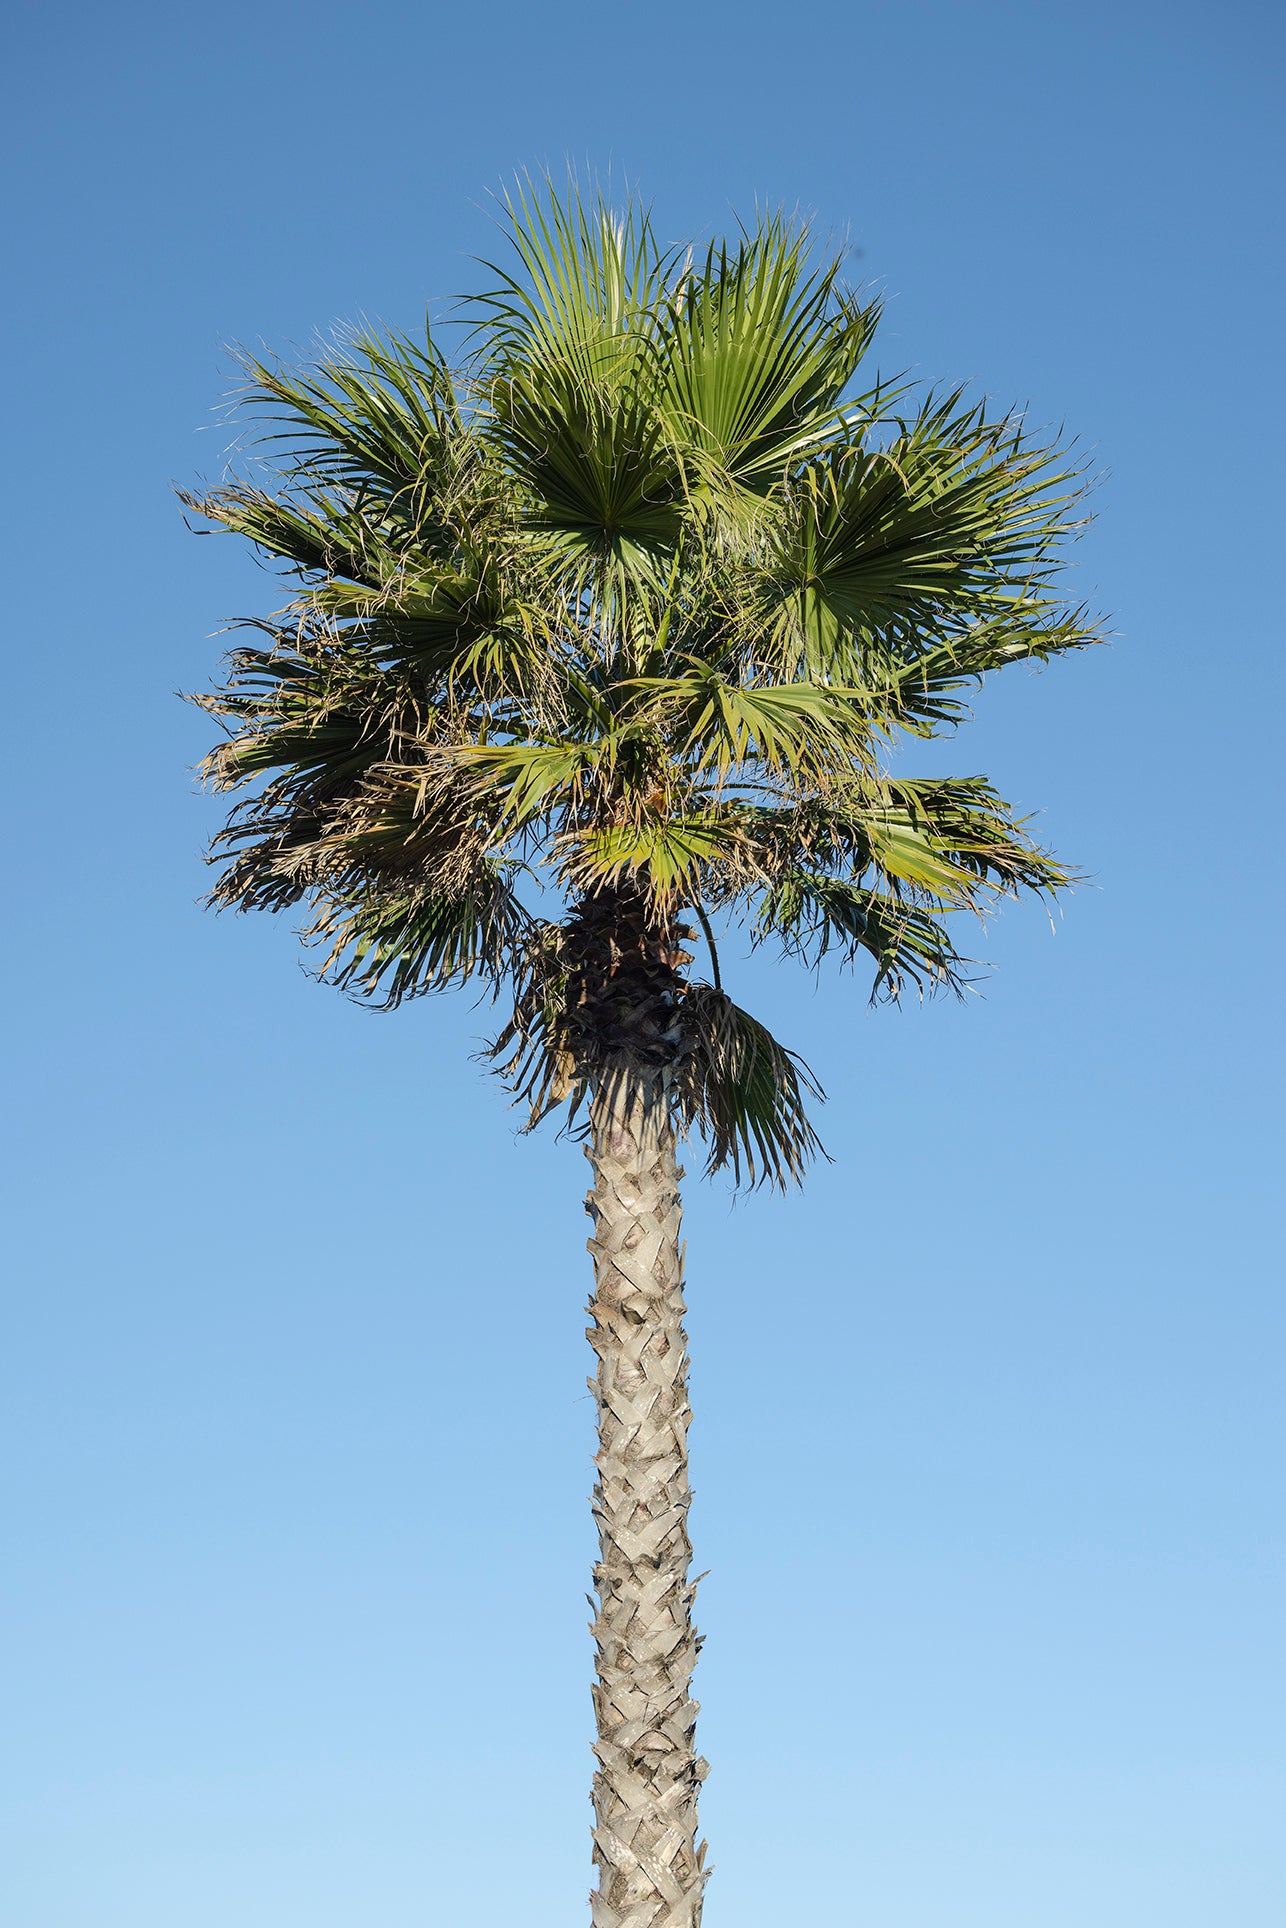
[{"x": 599, "y": 640}]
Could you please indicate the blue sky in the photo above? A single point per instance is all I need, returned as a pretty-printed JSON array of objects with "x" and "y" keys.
[{"x": 297, "y": 1444}]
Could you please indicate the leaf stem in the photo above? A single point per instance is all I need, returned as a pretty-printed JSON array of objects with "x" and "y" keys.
[{"x": 709, "y": 937}]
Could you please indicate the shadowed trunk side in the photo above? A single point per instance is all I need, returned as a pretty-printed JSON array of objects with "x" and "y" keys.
[{"x": 650, "y": 1866}]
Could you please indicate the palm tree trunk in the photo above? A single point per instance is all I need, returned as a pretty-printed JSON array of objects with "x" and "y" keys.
[{"x": 650, "y": 1867}]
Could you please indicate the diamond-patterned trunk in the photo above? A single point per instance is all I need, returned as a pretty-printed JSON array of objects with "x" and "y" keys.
[{"x": 650, "y": 1868}]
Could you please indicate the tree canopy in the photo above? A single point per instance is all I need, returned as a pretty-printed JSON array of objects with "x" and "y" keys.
[{"x": 612, "y": 618}]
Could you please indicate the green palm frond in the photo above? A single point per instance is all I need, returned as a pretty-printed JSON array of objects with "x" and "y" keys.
[
  {"x": 811, "y": 914},
  {"x": 523, "y": 781},
  {"x": 670, "y": 854},
  {"x": 973, "y": 832},
  {"x": 589, "y": 282},
  {"x": 569, "y": 378},
  {"x": 786, "y": 729},
  {"x": 390, "y": 946},
  {"x": 914, "y": 674},
  {"x": 319, "y": 535},
  {"x": 953, "y": 522},
  {"x": 760, "y": 347},
  {"x": 745, "y": 1093},
  {"x": 378, "y": 414},
  {"x": 595, "y": 459}
]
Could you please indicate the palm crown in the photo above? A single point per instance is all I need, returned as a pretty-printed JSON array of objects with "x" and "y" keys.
[{"x": 611, "y": 626}]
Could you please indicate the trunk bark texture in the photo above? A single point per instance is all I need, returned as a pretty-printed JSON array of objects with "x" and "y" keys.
[{"x": 650, "y": 1867}]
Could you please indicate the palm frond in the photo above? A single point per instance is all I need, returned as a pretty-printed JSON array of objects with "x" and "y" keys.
[
  {"x": 376, "y": 414},
  {"x": 721, "y": 725},
  {"x": 318, "y": 535},
  {"x": 393, "y": 945},
  {"x": 811, "y": 914},
  {"x": 913, "y": 673},
  {"x": 589, "y": 282},
  {"x": 668, "y": 854},
  {"x": 955, "y": 522},
  {"x": 744, "y": 1092},
  {"x": 759, "y": 349}
]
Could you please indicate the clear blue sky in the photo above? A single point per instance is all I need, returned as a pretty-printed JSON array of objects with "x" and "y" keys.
[{"x": 988, "y": 1454}]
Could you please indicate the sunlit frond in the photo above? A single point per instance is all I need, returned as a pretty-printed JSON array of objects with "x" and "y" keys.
[
  {"x": 760, "y": 346},
  {"x": 888, "y": 550},
  {"x": 585, "y": 291},
  {"x": 812, "y": 914},
  {"x": 668, "y": 854},
  {"x": 377, "y": 413}
]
